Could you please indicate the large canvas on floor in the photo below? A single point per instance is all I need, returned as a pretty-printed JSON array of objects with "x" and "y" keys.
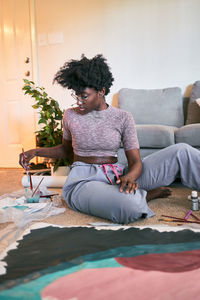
[{"x": 87, "y": 263}]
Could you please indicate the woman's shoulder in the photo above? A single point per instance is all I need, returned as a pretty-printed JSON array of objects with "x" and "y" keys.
[
  {"x": 120, "y": 112},
  {"x": 69, "y": 112}
]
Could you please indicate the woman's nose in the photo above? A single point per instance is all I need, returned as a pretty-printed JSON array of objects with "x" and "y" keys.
[{"x": 79, "y": 101}]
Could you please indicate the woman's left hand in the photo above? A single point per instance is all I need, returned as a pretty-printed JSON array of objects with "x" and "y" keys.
[{"x": 128, "y": 184}]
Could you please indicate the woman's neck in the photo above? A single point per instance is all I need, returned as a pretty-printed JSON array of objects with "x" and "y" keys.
[{"x": 102, "y": 106}]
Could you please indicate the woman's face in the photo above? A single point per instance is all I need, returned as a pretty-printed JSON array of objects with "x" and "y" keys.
[{"x": 90, "y": 100}]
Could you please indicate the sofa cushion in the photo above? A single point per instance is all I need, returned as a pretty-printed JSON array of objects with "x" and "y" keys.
[
  {"x": 189, "y": 134},
  {"x": 193, "y": 115},
  {"x": 160, "y": 106},
  {"x": 155, "y": 136},
  {"x": 193, "y": 112}
]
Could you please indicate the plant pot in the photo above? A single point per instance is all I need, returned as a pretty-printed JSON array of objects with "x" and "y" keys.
[{"x": 61, "y": 171}]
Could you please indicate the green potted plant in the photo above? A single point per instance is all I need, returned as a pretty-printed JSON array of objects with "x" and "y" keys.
[{"x": 50, "y": 117}]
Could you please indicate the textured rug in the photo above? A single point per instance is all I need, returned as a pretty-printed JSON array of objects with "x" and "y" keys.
[
  {"x": 177, "y": 204},
  {"x": 82, "y": 263}
]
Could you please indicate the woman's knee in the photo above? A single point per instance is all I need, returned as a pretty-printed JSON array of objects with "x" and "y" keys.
[
  {"x": 183, "y": 149},
  {"x": 126, "y": 213},
  {"x": 183, "y": 146}
]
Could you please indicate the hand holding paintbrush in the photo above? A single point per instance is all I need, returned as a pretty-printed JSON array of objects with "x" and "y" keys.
[
  {"x": 24, "y": 162},
  {"x": 26, "y": 156},
  {"x": 26, "y": 166}
]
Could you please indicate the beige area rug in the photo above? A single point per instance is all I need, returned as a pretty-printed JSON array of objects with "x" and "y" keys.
[{"x": 176, "y": 205}]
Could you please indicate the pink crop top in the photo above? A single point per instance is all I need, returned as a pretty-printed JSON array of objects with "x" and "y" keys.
[{"x": 100, "y": 133}]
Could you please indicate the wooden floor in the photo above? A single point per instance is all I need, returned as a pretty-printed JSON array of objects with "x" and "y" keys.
[{"x": 10, "y": 180}]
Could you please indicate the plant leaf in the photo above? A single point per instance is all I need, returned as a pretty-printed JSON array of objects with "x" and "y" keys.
[
  {"x": 35, "y": 106},
  {"x": 26, "y": 81},
  {"x": 42, "y": 121}
]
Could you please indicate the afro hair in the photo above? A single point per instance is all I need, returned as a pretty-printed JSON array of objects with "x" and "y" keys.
[{"x": 80, "y": 74}]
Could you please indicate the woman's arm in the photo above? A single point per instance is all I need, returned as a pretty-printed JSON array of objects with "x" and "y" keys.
[
  {"x": 128, "y": 181},
  {"x": 63, "y": 150}
]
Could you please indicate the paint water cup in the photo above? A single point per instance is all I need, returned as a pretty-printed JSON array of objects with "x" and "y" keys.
[{"x": 30, "y": 198}]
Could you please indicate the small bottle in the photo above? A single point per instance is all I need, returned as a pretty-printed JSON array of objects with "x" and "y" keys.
[{"x": 195, "y": 200}]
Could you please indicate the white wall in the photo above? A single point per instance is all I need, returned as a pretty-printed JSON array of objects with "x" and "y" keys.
[{"x": 148, "y": 43}]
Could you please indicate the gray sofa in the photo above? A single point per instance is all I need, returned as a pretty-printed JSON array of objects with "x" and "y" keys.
[{"x": 163, "y": 117}]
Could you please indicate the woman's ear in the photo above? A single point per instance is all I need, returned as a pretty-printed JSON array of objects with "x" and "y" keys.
[{"x": 102, "y": 92}]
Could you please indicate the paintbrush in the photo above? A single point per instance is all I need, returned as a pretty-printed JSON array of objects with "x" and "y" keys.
[
  {"x": 48, "y": 196},
  {"x": 176, "y": 218},
  {"x": 195, "y": 217},
  {"x": 170, "y": 220},
  {"x": 188, "y": 214},
  {"x": 37, "y": 187},
  {"x": 186, "y": 217},
  {"x": 27, "y": 170},
  {"x": 31, "y": 185},
  {"x": 167, "y": 220},
  {"x": 180, "y": 220}
]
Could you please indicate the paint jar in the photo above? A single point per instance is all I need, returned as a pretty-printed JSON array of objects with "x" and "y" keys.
[
  {"x": 195, "y": 200},
  {"x": 30, "y": 198}
]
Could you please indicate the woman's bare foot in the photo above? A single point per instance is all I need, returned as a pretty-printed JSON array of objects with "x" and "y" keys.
[{"x": 161, "y": 192}]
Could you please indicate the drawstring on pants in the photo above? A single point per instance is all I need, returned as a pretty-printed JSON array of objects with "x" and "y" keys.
[{"x": 114, "y": 169}]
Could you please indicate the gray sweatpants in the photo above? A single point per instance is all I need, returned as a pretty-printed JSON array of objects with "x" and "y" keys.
[{"x": 88, "y": 190}]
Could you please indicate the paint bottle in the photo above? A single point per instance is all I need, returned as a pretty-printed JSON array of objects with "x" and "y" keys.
[{"x": 195, "y": 200}]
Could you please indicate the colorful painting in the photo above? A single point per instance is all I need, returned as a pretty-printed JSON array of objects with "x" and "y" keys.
[{"x": 79, "y": 263}]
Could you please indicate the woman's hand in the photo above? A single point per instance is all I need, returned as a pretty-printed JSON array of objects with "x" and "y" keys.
[
  {"x": 25, "y": 157},
  {"x": 128, "y": 184}
]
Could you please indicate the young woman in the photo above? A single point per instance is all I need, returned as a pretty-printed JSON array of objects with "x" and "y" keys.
[{"x": 93, "y": 132}]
